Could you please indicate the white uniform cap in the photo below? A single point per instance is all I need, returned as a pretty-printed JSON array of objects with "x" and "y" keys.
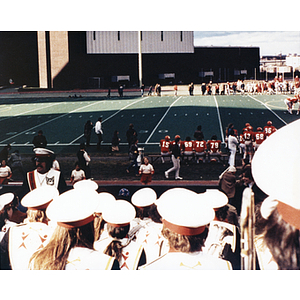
[
  {"x": 43, "y": 152},
  {"x": 73, "y": 208},
  {"x": 86, "y": 184},
  {"x": 40, "y": 197},
  {"x": 279, "y": 178},
  {"x": 215, "y": 198},
  {"x": 119, "y": 213},
  {"x": 104, "y": 200},
  {"x": 267, "y": 207},
  {"x": 144, "y": 197},
  {"x": 6, "y": 199},
  {"x": 183, "y": 213}
]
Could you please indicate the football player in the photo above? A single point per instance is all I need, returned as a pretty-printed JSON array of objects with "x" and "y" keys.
[
  {"x": 200, "y": 150},
  {"x": 165, "y": 147},
  {"x": 269, "y": 129},
  {"x": 214, "y": 149},
  {"x": 249, "y": 138},
  {"x": 259, "y": 137},
  {"x": 187, "y": 148}
]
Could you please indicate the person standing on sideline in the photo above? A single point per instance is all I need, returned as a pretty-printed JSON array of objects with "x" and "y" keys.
[
  {"x": 133, "y": 155},
  {"x": 84, "y": 160},
  {"x": 131, "y": 134},
  {"x": 99, "y": 132},
  {"x": 16, "y": 164},
  {"x": 142, "y": 90},
  {"x": 115, "y": 142},
  {"x": 39, "y": 141},
  {"x": 175, "y": 90},
  {"x": 5, "y": 152},
  {"x": 232, "y": 144},
  {"x": 176, "y": 154},
  {"x": 87, "y": 132}
]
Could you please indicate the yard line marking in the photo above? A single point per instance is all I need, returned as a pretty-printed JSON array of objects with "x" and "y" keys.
[
  {"x": 161, "y": 120},
  {"x": 220, "y": 122},
  {"x": 111, "y": 116},
  {"x": 269, "y": 109},
  {"x": 56, "y": 118},
  {"x": 22, "y": 113}
]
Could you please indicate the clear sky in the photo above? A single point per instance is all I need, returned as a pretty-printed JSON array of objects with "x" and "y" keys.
[{"x": 269, "y": 42}]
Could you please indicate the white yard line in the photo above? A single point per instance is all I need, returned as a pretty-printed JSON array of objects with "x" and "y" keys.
[
  {"x": 161, "y": 120},
  {"x": 220, "y": 121},
  {"x": 265, "y": 105},
  {"x": 111, "y": 116},
  {"x": 54, "y": 119}
]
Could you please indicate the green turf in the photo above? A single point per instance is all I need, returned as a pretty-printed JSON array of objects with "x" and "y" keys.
[{"x": 62, "y": 119}]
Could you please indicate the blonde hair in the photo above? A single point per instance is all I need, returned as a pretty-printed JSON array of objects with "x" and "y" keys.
[
  {"x": 36, "y": 216},
  {"x": 55, "y": 254}
]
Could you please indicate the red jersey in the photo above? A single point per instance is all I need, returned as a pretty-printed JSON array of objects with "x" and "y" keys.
[
  {"x": 165, "y": 146},
  {"x": 214, "y": 145},
  {"x": 259, "y": 137},
  {"x": 248, "y": 136},
  {"x": 187, "y": 146},
  {"x": 269, "y": 129},
  {"x": 199, "y": 146}
]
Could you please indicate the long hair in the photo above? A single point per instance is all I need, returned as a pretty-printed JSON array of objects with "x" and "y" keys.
[
  {"x": 55, "y": 254},
  {"x": 36, "y": 216},
  {"x": 185, "y": 243},
  {"x": 114, "y": 249},
  {"x": 3, "y": 216},
  {"x": 282, "y": 239}
]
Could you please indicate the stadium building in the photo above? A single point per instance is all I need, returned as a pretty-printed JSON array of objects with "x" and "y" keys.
[{"x": 102, "y": 59}]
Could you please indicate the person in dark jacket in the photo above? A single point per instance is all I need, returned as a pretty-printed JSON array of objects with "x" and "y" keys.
[
  {"x": 88, "y": 131},
  {"x": 39, "y": 141},
  {"x": 176, "y": 155}
]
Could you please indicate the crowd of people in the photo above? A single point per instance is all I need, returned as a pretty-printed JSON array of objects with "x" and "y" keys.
[{"x": 47, "y": 226}]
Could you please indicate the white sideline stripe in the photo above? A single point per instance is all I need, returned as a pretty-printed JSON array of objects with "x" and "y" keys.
[
  {"x": 48, "y": 121},
  {"x": 265, "y": 105},
  {"x": 161, "y": 120},
  {"x": 79, "y": 137},
  {"x": 220, "y": 121}
]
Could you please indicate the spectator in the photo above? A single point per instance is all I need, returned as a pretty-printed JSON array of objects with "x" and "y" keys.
[
  {"x": 84, "y": 160},
  {"x": 39, "y": 141},
  {"x": 146, "y": 171},
  {"x": 88, "y": 126},
  {"x": 227, "y": 182},
  {"x": 133, "y": 155},
  {"x": 131, "y": 134},
  {"x": 77, "y": 174},
  {"x": 6, "y": 212},
  {"x": 15, "y": 162},
  {"x": 115, "y": 141},
  {"x": 99, "y": 132},
  {"x": 5, "y": 152},
  {"x": 5, "y": 173}
]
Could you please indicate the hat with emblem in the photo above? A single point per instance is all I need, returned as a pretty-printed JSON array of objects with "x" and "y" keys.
[
  {"x": 39, "y": 152},
  {"x": 40, "y": 197},
  {"x": 6, "y": 199},
  {"x": 119, "y": 213},
  {"x": 183, "y": 213},
  {"x": 73, "y": 208},
  {"x": 86, "y": 184},
  {"x": 143, "y": 197},
  {"x": 280, "y": 179}
]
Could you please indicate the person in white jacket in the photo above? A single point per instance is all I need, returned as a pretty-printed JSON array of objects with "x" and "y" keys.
[
  {"x": 232, "y": 144},
  {"x": 99, "y": 132}
]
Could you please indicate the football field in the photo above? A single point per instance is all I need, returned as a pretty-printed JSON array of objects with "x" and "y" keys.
[{"x": 62, "y": 118}]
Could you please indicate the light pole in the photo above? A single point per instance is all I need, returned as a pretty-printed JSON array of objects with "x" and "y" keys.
[{"x": 140, "y": 58}]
